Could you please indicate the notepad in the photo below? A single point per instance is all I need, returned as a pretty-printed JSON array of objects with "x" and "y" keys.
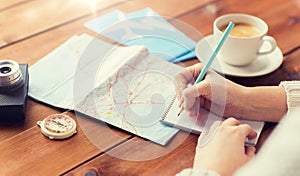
[{"x": 195, "y": 125}]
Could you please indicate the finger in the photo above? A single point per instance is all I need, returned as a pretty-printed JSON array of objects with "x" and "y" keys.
[
  {"x": 195, "y": 69},
  {"x": 248, "y": 131},
  {"x": 208, "y": 134},
  {"x": 231, "y": 122},
  {"x": 190, "y": 73},
  {"x": 250, "y": 151},
  {"x": 203, "y": 88},
  {"x": 179, "y": 89},
  {"x": 189, "y": 97},
  {"x": 195, "y": 109},
  {"x": 182, "y": 79},
  {"x": 192, "y": 92},
  {"x": 187, "y": 75}
]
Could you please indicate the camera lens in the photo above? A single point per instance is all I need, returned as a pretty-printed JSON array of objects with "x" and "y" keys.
[
  {"x": 5, "y": 70},
  {"x": 10, "y": 75}
]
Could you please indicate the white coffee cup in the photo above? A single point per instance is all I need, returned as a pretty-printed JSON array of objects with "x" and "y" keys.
[{"x": 240, "y": 51}]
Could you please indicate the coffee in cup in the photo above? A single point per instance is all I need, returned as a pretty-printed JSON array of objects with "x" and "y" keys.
[
  {"x": 242, "y": 30},
  {"x": 245, "y": 40}
]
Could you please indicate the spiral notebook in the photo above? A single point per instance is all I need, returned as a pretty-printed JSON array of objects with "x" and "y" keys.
[{"x": 194, "y": 125}]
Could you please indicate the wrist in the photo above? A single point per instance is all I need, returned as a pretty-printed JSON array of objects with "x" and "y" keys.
[
  {"x": 243, "y": 105},
  {"x": 265, "y": 103}
]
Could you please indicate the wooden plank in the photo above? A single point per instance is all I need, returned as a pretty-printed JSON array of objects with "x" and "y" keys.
[
  {"x": 102, "y": 135},
  {"x": 31, "y": 153},
  {"x": 35, "y": 112},
  {"x": 7, "y": 4},
  {"x": 284, "y": 25},
  {"x": 112, "y": 163},
  {"x": 36, "y": 16},
  {"x": 25, "y": 20},
  {"x": 24, "y": 52},
  {"x": 167, "y": 8}
]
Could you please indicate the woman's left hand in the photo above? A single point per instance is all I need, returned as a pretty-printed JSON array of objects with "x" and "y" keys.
[{"x": 225, "y": 151}]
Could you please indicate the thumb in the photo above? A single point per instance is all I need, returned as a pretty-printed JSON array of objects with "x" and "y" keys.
[{"x": 250, "y": 152}]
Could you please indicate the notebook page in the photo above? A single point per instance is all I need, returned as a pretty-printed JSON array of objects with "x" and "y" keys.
[{"x": 192, "y": 124}]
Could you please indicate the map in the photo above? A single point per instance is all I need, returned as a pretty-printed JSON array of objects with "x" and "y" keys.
[{"x": 135, "y": 97}]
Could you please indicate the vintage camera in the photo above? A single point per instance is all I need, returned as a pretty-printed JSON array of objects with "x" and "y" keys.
[{"x": 13, "y": 90}]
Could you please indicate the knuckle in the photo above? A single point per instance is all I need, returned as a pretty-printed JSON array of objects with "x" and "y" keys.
[
  {"x": 224, "y": 128},
  {"x": 233, "y": 120},
  {"x": 178, "y": 76},
  {"x": 237, "y": 131},
  {"x": 247, "y": 126}
]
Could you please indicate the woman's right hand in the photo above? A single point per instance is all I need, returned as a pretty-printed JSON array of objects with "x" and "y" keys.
[
  {"x": 226, "y": 98},
  {"x": 217, "y": 94}
]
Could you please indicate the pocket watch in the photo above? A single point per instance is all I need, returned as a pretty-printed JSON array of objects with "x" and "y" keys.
[{"x": 58, "y": 126}]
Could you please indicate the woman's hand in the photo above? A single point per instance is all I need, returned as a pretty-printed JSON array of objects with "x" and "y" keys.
[
  {"x": 225, "y": 151},
  {"x": 216, "y": 93},
  {"x": 226, "y": 98}
]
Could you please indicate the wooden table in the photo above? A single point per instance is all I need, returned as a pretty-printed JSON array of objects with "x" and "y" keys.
[{"x": 32, "y": 28}]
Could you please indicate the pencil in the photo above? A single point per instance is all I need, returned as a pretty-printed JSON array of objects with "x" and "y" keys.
[
  {"x": 180, "y": 110},
  {"x": 212, "y": 58}
]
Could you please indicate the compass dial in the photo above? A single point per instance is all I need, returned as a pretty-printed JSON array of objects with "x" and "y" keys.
[{"x": 58, "y": 126}]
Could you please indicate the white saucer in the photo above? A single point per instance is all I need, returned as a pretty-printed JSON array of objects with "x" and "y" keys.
[{"x": 262, "y": 65}]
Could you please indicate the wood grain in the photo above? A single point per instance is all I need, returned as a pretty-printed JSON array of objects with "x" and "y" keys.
[
  {"x": 170, "y": 164},
  {"x": 33, "y": 28},
  {"x": 32, "y": 153},
  {"x": 25, "y": 20},
  {"x": 8, "y": 4}
]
